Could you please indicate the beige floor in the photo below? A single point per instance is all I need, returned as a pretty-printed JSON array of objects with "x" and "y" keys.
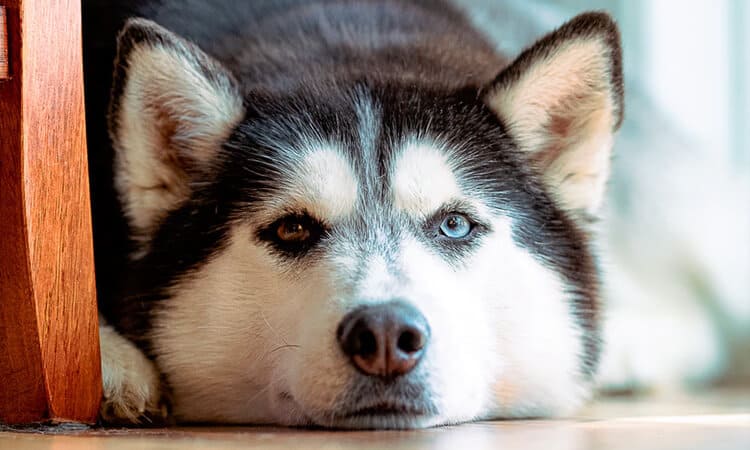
[{"x": 715, "y": 421}]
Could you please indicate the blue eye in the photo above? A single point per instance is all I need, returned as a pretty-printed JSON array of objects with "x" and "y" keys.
[{"x": 455, "y": 226}]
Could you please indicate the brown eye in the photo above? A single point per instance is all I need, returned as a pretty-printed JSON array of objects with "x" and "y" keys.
[
  {"x": 293, "y": 235},
  {"x": 291, "y": 231}
]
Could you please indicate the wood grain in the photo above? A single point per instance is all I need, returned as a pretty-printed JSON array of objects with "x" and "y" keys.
[
  {"x": 49, "y": 363},
  {"x": 4, "y": 73}
]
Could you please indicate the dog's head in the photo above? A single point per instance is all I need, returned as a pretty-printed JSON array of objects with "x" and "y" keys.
[{"x": 367, "y": 255}]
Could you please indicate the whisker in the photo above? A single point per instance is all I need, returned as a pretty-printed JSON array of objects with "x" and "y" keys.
[
  {"x": 259, "y": 393},
  {"x": 263, "y": 316},
  {"x": 281, "y": 347}
]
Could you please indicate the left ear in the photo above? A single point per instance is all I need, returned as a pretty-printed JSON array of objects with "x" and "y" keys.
[
  {"x": 171, "y": 109},
  {"x": 562, "y": 101}
]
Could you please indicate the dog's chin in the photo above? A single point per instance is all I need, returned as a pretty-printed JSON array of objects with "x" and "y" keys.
[
  {"x": 374, "y": 415},
  {"x": 374, "y": 419},
  {"x": 387, "y": 415},
  {"x": 384, "y": 422}
]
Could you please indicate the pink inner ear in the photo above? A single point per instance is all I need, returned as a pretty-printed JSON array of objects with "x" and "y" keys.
[
  {"x": 559, "y": 129},
  {"x": 560, "y": 125}
]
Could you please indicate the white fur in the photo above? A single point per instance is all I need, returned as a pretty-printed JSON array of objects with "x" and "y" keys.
[
  {"x": 504, "y": 344},
  {"x": 378, "y": 282},
  {"x": 131, "y": 384},
  {"x": 538, "y": 344},
  {"x": 321, "y": 182},
  {"x": 215, "y": 340},
  {"x": 423, "y": 180}
]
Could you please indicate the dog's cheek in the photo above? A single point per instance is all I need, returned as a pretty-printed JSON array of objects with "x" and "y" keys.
[
  {"x": 538, "y": 341},
  {"x": 214, "y": 337},
  {"x": 460, "y": 360},
  {"x": 314, "y": 373}
]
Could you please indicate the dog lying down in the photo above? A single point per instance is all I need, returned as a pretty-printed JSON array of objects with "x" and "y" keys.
[{"x": 353, "y": 214}]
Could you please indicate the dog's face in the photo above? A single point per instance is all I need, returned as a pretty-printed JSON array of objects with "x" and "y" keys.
[{"x": 367, "y": 254}]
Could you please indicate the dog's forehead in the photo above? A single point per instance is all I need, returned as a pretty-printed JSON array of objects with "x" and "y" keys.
[
  {"x": 327, "y": 182},
  {"x": 323, "y": 183},
  {"x": 422, "y": 178},
  {"x": 362, "y": 153}
]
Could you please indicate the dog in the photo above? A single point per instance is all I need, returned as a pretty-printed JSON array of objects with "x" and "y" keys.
[{"x": 345, "y": 213}]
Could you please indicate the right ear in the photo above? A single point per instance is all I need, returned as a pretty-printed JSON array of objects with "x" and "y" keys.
[
  {"x": 172, "y": 106},
  {"x": 562, "y": 102}
]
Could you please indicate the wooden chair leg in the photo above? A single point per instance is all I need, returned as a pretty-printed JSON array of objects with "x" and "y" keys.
[{"x": 49, "y": 350}]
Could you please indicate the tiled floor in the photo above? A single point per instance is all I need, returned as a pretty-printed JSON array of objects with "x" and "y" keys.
[{"x": 714, "y": 421}]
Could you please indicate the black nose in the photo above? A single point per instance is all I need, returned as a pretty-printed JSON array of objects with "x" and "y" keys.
[{"x": 384, "y": 340}]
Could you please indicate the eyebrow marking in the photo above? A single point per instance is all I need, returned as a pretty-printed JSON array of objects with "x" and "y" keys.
[
  {"x": 330, "y": 182},
  {"x": 322, "y": 184},
  {"x": 423, "y": 180}
]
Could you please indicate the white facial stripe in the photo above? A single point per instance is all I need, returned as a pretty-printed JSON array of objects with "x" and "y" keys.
[
  {"x": 423, "y": 180},
  {"x": 378, "y": 282},
  {"x": 324, "y": 184}
]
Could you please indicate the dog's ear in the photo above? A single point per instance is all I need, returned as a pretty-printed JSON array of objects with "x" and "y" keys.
[
  {"x": 172, "y": 106},
  {"x": 561, "y": 100}
]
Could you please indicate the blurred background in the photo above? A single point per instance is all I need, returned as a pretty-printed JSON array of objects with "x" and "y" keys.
[{"x": 675, "y": 234}]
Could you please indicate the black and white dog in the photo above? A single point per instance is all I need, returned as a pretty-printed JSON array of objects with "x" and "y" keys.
[{"x": 348, "y": 213}]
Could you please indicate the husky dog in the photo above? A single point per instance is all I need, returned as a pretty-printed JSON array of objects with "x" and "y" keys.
[{"x": 346, "y": 213}]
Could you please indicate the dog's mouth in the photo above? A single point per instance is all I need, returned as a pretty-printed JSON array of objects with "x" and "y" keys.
[
  {"x": 383, "y": 409},
  {"x": 388, "y": 414},
  {"x": 374, "y": 414}
]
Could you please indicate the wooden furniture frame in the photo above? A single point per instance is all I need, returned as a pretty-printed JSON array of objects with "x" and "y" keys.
[{"x": 49, "y": 349}]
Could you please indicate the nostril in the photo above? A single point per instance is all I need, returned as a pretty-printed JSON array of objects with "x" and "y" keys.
[
  {"x": 410, "y": 341},
  {"x": 367, "y": 343}
]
